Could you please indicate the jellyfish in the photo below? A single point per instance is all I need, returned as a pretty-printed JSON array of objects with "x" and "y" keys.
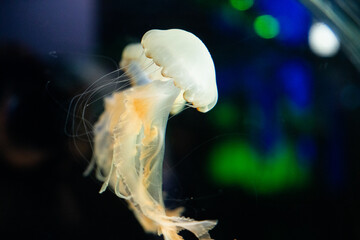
[{"x": 168, "y": 70}]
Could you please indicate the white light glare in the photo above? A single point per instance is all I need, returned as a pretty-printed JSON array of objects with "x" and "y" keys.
[{"x": 322, "y": 40}]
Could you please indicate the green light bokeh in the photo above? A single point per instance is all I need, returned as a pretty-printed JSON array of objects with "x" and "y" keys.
[
  {"x": 241, "y": 5},
  {"x": 236, "y": 163},
  {"x": 266, "y": 26},
  {"x": 225, "y": 115}
]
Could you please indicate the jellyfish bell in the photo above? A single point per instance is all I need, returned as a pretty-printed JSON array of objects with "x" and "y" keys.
[
  {"x": 179, "y": 55},
  {"x": 167, "y": 69},
  {"x": 184, "y": 58}
]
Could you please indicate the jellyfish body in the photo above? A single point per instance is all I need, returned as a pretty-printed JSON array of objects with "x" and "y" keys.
[{"x": 129, "y": 135}]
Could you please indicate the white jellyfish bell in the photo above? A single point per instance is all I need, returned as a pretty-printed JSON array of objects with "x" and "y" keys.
[{"x": 168, "y": 69}]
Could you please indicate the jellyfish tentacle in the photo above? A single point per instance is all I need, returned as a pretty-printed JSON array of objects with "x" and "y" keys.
[
  {"x": 107, "y": 179},
  {"x": 130, "y": 134},
  {"x": 199, "y": 228}
]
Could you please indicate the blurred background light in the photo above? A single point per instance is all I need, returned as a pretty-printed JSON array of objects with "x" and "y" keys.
[
  {"x": 295, "y": 78},
  {"x": 237, "y": 163},
  {"x": 48, "y": 27},
  {"x": 294, "y": 19},
  {"x": 242, "y": 5},
  {"x": 226, "y": 115},
  {"x": 323, "y": 41},
  {"x": 266, "y": 26}
]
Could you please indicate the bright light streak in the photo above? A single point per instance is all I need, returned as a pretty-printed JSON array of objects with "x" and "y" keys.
[{"x": 322, "y": 40}]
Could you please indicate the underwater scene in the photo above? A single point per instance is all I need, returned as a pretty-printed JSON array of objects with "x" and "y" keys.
[{"x": 180, "y": 120}]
